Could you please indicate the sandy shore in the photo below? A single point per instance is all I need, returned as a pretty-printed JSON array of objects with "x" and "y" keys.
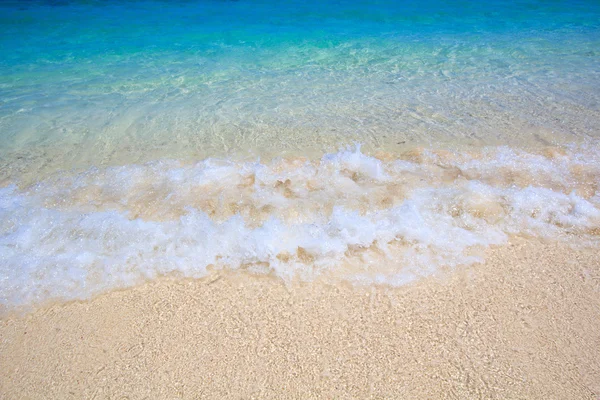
[{"x": 526, "y": 324}]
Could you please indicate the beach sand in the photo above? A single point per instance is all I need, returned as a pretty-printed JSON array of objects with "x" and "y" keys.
[{"x": 525, "y": 324}]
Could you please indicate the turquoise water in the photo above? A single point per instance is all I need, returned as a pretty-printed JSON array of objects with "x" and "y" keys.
[
  {"x": 112, "y": 114},
  {"x": 118, "y": 82}
]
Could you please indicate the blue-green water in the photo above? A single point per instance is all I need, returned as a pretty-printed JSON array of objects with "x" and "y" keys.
[
  {"x": 89, "y": 90},
  {"x": 137, "y": 81}
]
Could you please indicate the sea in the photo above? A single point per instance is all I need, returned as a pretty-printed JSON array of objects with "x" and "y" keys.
[{"x": 372, "y": 142}]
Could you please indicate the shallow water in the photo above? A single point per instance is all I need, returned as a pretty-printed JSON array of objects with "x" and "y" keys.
[{"x": 136, "y": 137}]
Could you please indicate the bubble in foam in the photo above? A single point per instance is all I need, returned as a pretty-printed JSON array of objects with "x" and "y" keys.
[{"x": 347, "y": 216}]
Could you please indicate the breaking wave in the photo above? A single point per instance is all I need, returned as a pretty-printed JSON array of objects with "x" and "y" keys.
[{"x": 366, "y": 219}]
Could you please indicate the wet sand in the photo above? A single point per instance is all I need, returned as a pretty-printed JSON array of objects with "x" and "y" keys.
[{"x": 526, "y": 324}]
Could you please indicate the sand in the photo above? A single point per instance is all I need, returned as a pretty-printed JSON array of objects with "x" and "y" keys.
[{"x": 525, "y": 324}]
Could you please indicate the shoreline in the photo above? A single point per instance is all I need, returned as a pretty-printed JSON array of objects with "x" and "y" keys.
[
  {"x": 25, "y": 170},
  {"x": 524, "y": 324},
  {"x": 229, "y": 199}
]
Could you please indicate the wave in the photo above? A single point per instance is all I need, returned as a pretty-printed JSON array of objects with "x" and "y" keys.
[{"x": 366, "y": 219}]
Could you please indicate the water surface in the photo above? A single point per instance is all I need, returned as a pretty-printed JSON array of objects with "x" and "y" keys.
[{"x": 478, "y": 121}]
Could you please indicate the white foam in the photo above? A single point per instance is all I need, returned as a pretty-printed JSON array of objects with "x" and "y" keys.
[{"x": 349, "y": 216}]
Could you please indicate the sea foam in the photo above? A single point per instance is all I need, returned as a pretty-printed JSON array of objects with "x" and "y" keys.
[{"x": 348, "y": 216}]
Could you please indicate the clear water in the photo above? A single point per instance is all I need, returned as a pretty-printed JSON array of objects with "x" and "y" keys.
[{"x": 90, "y": 91}]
